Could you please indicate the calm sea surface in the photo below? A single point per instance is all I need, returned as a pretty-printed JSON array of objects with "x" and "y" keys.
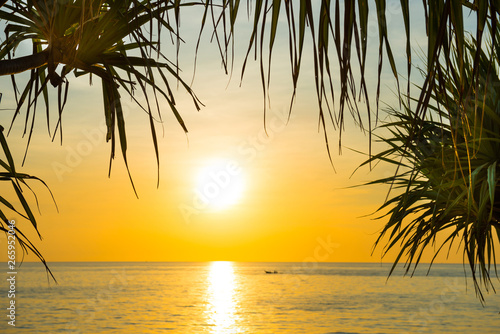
[{"x": 233, "y": 297}]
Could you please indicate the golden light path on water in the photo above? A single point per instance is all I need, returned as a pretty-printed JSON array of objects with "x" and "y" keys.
[{"x": 222, "y": 304}]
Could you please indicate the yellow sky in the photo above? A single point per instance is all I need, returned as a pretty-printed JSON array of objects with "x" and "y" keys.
[{"x": 293, "y": 207}]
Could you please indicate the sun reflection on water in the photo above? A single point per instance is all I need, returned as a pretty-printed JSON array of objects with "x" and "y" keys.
[{"x": 222, "y": 301}]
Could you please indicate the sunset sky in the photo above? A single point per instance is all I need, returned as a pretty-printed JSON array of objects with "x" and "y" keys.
[{"x": 291, "y": 203}]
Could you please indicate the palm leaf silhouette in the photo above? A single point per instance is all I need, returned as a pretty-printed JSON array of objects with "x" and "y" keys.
[{"x": 447, "y": 179}]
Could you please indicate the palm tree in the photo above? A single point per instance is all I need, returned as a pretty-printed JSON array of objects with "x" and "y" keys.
[
  {"x": 106, "y": 39},
  {"x": 103, "y": 39},
  {"x": 60, "y": 32},
  {"x": 447, "y": 179},
  {"x": 115, "y": 41}
]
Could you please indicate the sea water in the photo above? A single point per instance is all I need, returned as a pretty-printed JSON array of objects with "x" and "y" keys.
[{"x": 234, "y": 297}]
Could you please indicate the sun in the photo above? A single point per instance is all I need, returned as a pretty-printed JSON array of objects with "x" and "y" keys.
[{"x": 220, "y": 184}]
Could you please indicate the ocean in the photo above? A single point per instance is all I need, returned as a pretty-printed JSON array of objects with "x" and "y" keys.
[{"x": 240, "y": 297}]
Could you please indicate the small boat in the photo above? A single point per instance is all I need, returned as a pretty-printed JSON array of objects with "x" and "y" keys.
[{"x": 271, "y": 272}]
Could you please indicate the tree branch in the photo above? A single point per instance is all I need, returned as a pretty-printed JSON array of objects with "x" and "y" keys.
[{"x": 21, "y": 64}]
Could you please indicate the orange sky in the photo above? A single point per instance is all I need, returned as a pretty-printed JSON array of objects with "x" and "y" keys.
[{"x": 293, "y": 206}]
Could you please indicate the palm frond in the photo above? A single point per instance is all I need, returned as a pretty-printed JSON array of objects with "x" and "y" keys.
[
  {"x": 447, "y": 179},
  {"x": 18, "y": 181},
  {"x": 91, "y": 38}
]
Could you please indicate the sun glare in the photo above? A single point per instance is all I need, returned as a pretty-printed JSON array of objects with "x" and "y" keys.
[{"x": 220, "y": 184}]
